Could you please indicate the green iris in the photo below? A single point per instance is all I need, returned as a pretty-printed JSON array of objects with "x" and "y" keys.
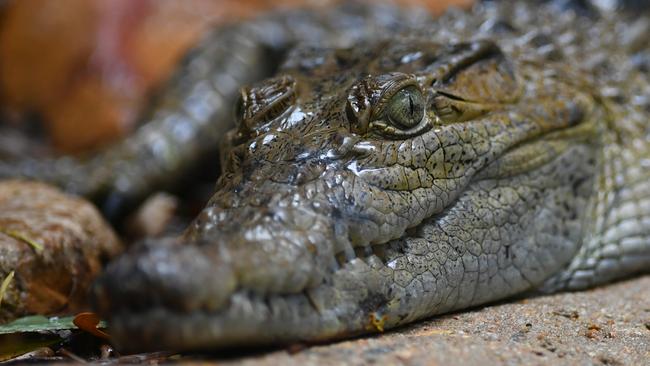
[{"x": 406, "y": 108}]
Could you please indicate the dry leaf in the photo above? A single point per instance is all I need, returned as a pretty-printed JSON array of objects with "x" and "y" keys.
[{"x": 88, "y": 322}]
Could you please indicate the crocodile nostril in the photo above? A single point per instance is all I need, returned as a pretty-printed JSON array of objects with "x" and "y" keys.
[{"x": 159, "y": 275}]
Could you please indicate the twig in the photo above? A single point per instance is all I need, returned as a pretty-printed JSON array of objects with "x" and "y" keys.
[
  {"x": 5, "y": 284},
  {"x": 22, "y": 237}
]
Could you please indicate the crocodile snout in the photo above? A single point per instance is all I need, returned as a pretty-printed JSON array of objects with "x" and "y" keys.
[
  {"x": 226, "y": 281},
  {"x": 278, "y": 250},
  {"x": 165, "y": 274}
]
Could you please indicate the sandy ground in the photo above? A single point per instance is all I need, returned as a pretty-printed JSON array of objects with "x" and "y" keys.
[{"x": 604, "y": 326}]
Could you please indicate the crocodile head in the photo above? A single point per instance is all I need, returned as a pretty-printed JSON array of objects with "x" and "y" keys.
[{"x": 367, "y": 187}]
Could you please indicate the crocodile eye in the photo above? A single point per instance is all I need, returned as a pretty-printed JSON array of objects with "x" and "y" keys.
[
  {"x": 405, "y": 109},
  {"x": 391, "y": 105}
]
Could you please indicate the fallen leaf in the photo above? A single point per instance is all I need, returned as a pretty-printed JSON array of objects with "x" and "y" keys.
[
  {"x": 88, "y": 322},
  {"x": 37, "y": 323},
  {"x": 15, "y": 350}
]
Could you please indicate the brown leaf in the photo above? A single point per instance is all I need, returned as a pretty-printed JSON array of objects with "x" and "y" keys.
[{"x": 88, "y": 322}]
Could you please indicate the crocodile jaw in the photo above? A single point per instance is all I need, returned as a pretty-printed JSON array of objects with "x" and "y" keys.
[{"x": 307, "y": 265}]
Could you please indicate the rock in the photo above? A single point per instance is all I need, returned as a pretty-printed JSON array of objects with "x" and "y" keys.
[{"x": 54, "y": 243}]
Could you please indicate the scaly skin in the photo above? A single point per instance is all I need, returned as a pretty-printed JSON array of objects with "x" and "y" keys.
[{"x": 528, "y": 170}]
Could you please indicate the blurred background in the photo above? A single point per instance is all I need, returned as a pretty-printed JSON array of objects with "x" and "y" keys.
[{"x": 79, "y": 72}]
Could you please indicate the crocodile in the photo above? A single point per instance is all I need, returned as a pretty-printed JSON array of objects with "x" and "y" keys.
[
  {"x": 410, "y": 169},
  {"x": 487, "y": 154}
]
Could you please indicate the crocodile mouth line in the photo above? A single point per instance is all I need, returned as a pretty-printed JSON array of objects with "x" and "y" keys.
[{"x": 341, "y": 259}]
